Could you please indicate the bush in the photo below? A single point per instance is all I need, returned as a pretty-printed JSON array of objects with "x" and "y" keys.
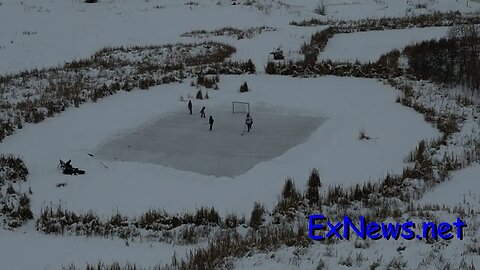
[
  {"x": 346, "y": 261},
  {"x": 24, "y": 212},
  {"x": 313, "y": 186},
  {"x": 250, "y": 67},
  {"x": 205, "y": 216},
  {"x": 289, "y": 191},
  {"x": 278, "y": 54},
  {"x": 146, "y": 83},
  {"x": 231, "y": 221},
  {"x": 320, "y": 9},
  {"x": 208, "y": 82},
  {"x": 291, "y": 198},
  {"x": 397, "y": 263},
  {"x": 256, "y": 218},
  {"x": 244, "y": 88},
  {"x": 270, "y": 68},
  {"x": 199, "y": 95}
]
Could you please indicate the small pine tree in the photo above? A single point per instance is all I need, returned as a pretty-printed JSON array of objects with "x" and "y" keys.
[
  {"x": 289, "y": 191},
  {"x": 127, "y": 86},
  {"x": 24, "y": 212},
  {"x": 244, "y": 88},
  {"x": 256, "y": 218},
  {"x": 250, "y": 67},
  {"x": 199, "y": 95},
  {"x": 320, "y": 9},
  {"x": 270, "y": 68},
  {"x": 313, "y": 186}
]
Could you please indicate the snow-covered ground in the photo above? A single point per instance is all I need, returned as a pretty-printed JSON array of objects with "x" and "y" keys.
[
  {"x": 349, "y": 105},
  {"x": 358, "y": 9},
  {"x": 369, "y": 46},
  {"x": 59, "y": 31},
  {"x": 25, "y": 249},
  {"x": 41, "y": 33},
  {"x": 462, "y": 190}
]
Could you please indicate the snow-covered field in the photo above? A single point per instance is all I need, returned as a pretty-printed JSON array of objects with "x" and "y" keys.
[
  {"x": 58, "y": 31},
  {"x": 50, "y": 252},
  {"x": 348, "y": 105},
  {"x": 461, "y": 190},
  {"x": 45, "y": 33},
  {"x": 369, "y": 46}
]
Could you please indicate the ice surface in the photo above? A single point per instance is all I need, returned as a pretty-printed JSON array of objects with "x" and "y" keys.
[{"x": 183, "y": 141}]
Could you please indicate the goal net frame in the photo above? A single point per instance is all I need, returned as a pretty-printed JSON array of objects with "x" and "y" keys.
[{"x": 240, "y": 107}]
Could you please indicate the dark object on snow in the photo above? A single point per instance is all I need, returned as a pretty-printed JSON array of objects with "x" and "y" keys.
[
  {"x": 190, "y": 106},
  {"x": 61, "y": 184},
  {"x": 210, "y": 121},
  {"x": 69, "y": 169},
  {"x": 249, "y": 122},
  {"x": 202, "y": 113},
  {"x": 278, "y": 54}
]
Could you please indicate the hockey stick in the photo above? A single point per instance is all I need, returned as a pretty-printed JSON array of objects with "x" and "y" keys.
[{"x": 101, "y": 163}]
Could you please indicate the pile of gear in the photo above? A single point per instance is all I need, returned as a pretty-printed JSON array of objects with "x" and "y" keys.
[{"x": 69, "y": 169}]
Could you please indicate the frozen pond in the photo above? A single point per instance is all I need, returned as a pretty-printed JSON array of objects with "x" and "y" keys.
[{"x": 184, "y": 142}]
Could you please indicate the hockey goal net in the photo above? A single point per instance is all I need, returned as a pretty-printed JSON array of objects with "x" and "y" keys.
[{"x": 240, "y": 107}]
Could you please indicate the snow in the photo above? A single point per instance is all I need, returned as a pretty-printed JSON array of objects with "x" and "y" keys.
[
  {"x": 67, "y": 30},
  {"x": 64, "y": 30},
  {"x": 348, "y": 104},
  {"x": 359, "y": 9},
  {"x": 461, "y": 190},
  {"x": 288, "y": 38},
  {"x": 369, "y": 46},
  {"x": 44, "y": 33},
  {"x": 29, "y": 250}
]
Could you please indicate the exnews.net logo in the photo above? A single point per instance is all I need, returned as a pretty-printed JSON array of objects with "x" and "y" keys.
[{"x": 320, "y": 229}]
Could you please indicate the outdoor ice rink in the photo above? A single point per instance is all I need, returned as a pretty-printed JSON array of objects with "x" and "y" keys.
[{"x": 183, "y": 141}]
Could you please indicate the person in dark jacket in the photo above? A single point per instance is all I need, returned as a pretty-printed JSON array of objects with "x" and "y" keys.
[
  {"x": 202, "y": 113},
  {"x": 210, "y": 121},
  {"x": 249, "y": 122},
  {"x": 190, "y": 106},
  {"x": 69, "y": 169}
]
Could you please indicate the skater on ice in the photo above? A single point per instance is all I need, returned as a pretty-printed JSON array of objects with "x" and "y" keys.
[
  {"x": 249, "y": 122},
  {"x": 210, "y": 121},
  {"x": 202, "y": 113},
  {"x": 190, "y": 106}
]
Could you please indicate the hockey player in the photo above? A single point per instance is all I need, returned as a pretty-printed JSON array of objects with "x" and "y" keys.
[
  {"x": 210, "y": 121},
  {"x": 249, "y": 122},
  {"x": 202, "y": 113},
  {"x": 190, "y": 106}
]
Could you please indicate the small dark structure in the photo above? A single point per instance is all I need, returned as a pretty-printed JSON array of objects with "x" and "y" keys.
[{"x": 278, "y": 54}]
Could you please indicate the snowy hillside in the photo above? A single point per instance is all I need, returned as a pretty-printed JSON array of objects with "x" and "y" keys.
[{"x": 335, "y": 93}]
